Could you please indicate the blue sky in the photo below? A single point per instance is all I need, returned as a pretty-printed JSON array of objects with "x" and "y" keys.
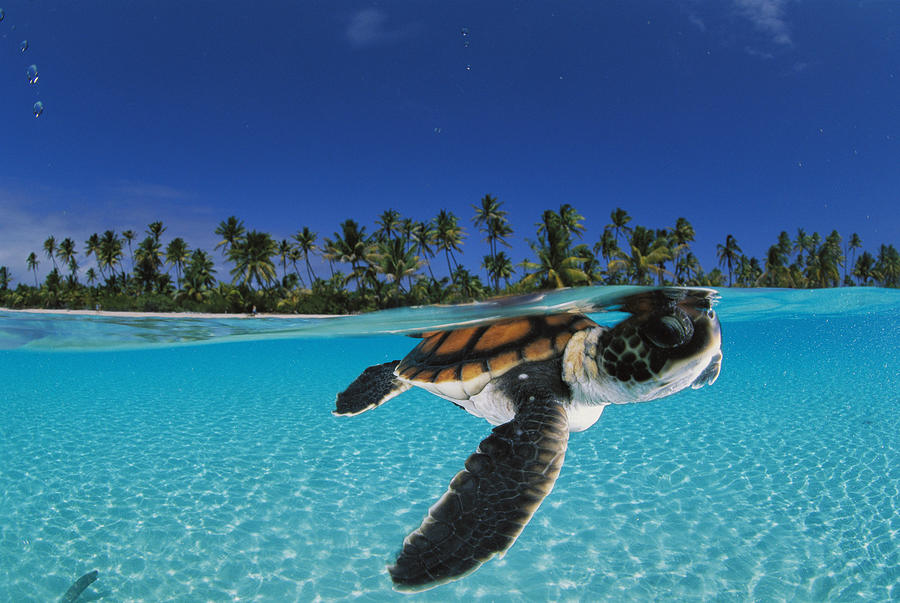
[{"x": 747, "y": 117}]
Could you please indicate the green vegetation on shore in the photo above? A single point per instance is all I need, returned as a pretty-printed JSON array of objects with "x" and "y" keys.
[{"x": 393, "y": 266}]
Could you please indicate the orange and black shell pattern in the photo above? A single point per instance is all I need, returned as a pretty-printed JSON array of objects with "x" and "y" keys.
[{"x": 471, "y": 357}]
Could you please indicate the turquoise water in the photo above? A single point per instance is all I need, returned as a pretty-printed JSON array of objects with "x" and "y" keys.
[{"x": 217, "y": 472}]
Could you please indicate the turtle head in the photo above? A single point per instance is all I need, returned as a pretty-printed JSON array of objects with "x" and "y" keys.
[{"x": 659, "y": 352}]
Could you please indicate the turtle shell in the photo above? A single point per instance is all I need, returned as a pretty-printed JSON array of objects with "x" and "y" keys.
[{"x": 459, "y": 363}]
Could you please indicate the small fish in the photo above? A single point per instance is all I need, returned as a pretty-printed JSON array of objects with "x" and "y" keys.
[{"x": 76, "y": 589}]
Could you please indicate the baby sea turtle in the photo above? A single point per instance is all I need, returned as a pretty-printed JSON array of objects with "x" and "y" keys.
[{"x": 536, "y": 378}]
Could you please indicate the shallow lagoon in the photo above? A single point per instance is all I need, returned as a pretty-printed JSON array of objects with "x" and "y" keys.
[{"x": 217, "y": 471}]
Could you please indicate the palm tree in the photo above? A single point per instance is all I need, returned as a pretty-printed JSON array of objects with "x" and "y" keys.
[
  {"x": 148, "y": 262},
  {"x": 664, "y": 240},
  {"x": 406, "y": 227},
  {"x": 73, "y": 271},
  {"x": 556, "y": 266},
  {"x": 728, "y": 255},
  {"x": 91, "y": 276},
  {"x": 295, "y": 255},
  {"x": 714, "y": 278},
  {"x": 776, "y": 273},
  {"x": 830, "y": 260},
  {"x": 498, "y": 267},
  {"x": 498, "y": 230},
  {"x": 306, "y": 243},
  {"x": 330, "y": 253},
  {"x": 388, "y": 225},
  {"x": 448, "y": 236},
  {"x": 466, "y": 286},
  {"x": 252, "y": 257},
  {"x": 688, "y": 267},
  {"x": 492, "y": 221},
  {"x": 32, "y": 263},
  {"x": 744, "y": 273},
  {"x": 887, "y": 266},
  {"x": 643, "y": 259},
  {"x": 129, "y": 236},
  {"x": 488, "y": 210},
  {"x": 50, "y": 249},
  {"x": 92, "y": 246},
  {"x": 66, "y": 251},
  {"x": 550, "y": 222},
  {"x": 571, "y": 221},
  {"x": 552, "y": 270},
  {"x": 396, "y": 260},
  {"x": 200, "y": 269},
  {"x": 177, "y": 254},
  {"x": 801, "y": 244},
  {"x": 854, "y": 244},
  {"x": 232, "y": 231},
  {"x": 283, "y": 253},
  {"x": 620, "y": 219},
  {"x": 422, "y": 238},
  {"x": 591, "y": 266},
  {"x": 155, "y": 230},
  {"x": 808, "y": 264},
  {"x": 5, "y": 278},
  {"x": 198, "y": 277},
  {"x": 865, "y": 265},
  {"x": 607, "y": 245},
  {"x": 351, "y": 246},
  {"x": 682, "y": 236},
  {"x": 110, "y": 251}
]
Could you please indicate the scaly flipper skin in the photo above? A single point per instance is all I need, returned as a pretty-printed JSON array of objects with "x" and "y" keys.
[
  {"x": 373, "y": 388},
  {"x": 492, "y": 499}
]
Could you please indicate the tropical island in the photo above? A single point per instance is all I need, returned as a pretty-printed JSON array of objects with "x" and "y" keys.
[{"x": 393, "y": 265}]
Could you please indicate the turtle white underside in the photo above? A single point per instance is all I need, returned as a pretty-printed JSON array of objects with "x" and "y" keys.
[{"x": 493, "y": 405}]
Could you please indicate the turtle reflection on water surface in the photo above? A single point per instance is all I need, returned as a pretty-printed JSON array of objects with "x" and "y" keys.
[{"x": 537, "y": 378}]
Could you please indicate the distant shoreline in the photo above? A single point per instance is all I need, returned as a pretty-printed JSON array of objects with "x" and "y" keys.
[{"x": 132, "y": 314}]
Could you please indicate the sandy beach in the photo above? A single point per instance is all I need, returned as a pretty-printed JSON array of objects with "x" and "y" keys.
[{"x": 128, "y": 314}]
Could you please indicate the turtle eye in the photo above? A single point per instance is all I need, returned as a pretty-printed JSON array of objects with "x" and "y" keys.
[{"x": 669, "y": 330}]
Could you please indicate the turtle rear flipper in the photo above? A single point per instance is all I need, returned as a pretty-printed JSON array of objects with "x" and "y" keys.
[
  {"x": 491, "y": 500},
  {"x": 374, "y": 387}
]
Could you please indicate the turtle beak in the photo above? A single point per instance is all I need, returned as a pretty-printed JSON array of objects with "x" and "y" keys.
[{"x": 710, "y": 373}]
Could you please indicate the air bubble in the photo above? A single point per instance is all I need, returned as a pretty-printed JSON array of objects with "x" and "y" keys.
[
  {"x": 23, "y": 45},
  {"x": 465, "y": 32},
  {"x": 468, "y": 68},
  {"x": 31, "y": 74},
  {"x": 38, "y": 109}
]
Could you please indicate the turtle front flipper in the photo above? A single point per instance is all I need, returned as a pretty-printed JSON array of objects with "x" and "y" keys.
[
  {"x": 374, "y": 387},
  {"x": 491, "y": 500}
]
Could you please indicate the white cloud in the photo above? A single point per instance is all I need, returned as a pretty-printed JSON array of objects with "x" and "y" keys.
[
  {"x": 697, "y": 22},
  {"x": 369, "y": 27},
  {"x": 768, "y": 17},
  {"x": 753, "y": 52}
]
